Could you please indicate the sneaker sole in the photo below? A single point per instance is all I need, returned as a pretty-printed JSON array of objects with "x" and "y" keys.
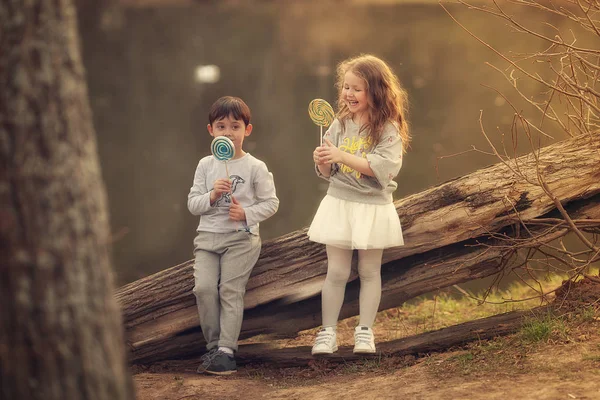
[
  {"x": 220, "y": 373},
  {"x": 316, "y": 353},
  {"x": 364, "y": 351}
]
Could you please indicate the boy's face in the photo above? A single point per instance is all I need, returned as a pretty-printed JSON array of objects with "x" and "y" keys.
[{"x": 234, "y": 129}]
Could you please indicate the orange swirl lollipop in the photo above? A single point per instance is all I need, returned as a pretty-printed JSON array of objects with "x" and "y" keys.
[{"x": 321, "y": 114}]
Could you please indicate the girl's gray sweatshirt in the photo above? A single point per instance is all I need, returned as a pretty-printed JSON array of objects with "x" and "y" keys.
[{"x": 385, "y": 159}]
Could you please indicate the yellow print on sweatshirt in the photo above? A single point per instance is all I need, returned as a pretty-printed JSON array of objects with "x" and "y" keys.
[{"x": 356, "y": 146}]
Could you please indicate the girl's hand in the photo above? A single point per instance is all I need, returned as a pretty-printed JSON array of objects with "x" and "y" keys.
[
  {"x": 236, "y": 211},
  {"x": 316, "y": 156},
  {"x": 329, "y": 154},
  {"x": 219, "y": 187}
]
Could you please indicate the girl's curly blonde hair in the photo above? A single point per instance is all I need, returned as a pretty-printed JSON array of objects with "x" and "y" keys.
[{"x": 387, "y": 100}]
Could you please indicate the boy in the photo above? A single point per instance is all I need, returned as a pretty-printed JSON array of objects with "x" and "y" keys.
[{"x": 228, "y": 243}]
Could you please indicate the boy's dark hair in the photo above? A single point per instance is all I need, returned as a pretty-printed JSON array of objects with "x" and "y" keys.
[{"x": 229, "y": 105}]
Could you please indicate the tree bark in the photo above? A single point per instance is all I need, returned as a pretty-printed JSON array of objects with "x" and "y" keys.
[
  {"x": 61, "y": 335},
  {"x": 442, "y": 228}
]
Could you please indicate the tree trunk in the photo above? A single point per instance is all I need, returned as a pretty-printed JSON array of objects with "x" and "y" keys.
[
  {"x": 61, "y": 335},
  {"x": 442, "y": 227}
]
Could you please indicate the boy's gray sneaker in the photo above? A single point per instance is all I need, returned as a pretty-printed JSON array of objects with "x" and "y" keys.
[
  {"x": 206, "y": 360},
  {"x": 220, "y": 363}
]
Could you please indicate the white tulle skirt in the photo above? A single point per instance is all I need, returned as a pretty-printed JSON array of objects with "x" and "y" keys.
[{"x": 354, "y": 225}]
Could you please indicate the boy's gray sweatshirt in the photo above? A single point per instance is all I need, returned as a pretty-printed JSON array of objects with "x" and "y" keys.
[
  {"x": 385, "y": 159},
  {"x": 252, "y": 186}
]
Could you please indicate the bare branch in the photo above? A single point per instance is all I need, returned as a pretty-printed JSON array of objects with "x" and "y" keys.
[{"x": 572, "y": 101}]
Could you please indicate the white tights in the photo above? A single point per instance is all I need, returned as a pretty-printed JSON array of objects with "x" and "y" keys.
[{"x": 338, "y": 271}]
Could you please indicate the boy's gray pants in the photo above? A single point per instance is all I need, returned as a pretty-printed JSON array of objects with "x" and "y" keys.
[{"x": 222, "y": 268}]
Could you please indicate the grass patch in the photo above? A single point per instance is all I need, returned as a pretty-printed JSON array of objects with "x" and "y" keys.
[
  {"x": 366, "y": 365},
  {"x": 542, "y": 329},
  {"x": 592, "y": 357},
  {"x": 588, "y": 314},
  {"x": 537, "y": 330},
  {"x": 462, "y": 359}
]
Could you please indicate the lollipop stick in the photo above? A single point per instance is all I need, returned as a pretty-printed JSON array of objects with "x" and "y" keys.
[
  {"x": 227, "y": 170},
  {"x": 321, "y": 135}
]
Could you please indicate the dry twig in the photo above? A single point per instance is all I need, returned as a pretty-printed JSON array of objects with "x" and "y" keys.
[{"x": 571, "y": 102}]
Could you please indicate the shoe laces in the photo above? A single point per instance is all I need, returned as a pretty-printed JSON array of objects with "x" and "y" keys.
[
  {"x": 363, "y": 337},
  {"x": 208, "y": 358},
  {"x": 323, "y": 337}
]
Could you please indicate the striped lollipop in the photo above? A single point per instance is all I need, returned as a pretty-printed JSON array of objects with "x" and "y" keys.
[
  {"x": 321, "y": 114},
  {"x": 222, "y": 149}
]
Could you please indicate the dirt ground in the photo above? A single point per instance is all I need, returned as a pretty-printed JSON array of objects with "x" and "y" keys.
[{"x": 566, "y": 365}]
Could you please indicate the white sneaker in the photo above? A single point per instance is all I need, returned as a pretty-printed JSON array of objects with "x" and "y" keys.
[
  {"x": 364, "y": 341},
  {"x": 325, "y": 342}
]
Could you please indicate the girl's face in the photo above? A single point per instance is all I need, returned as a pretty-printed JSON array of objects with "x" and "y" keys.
[{"x": 354, "y": 94}]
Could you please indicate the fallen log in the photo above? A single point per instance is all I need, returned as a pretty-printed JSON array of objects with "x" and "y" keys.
[
  {"x": 424, "y": 343},
  {"x": 402, "y": 280},
  {"x": 440, "y": 225}
]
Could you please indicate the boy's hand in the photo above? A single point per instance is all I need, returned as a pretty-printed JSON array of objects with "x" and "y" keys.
[
  {"x": 219, "y": 187},
  {"x": 236, "y": 211}
]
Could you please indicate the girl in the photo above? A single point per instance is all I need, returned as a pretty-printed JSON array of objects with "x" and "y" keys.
[{"x": 360, "y": 157}]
